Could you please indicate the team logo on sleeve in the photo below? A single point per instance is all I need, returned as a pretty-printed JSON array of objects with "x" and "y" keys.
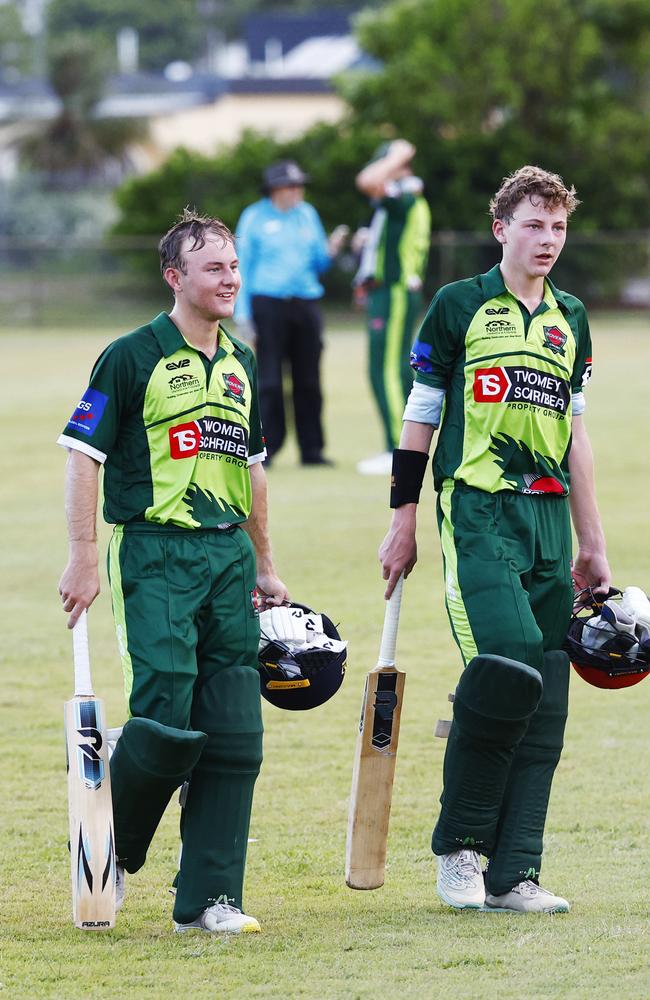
[
  {"x": 586, "y": 374},
  {"x": 234, "y": 388},
  {"x": 555, "y": 339},
  {"x": 421, "y": 357},
  {"x": 89, "y": 411}
]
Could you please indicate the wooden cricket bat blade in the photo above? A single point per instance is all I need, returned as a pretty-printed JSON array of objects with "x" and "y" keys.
[
  {"x": 372, "y": 778},
  {"x": 90, "y": 806}
]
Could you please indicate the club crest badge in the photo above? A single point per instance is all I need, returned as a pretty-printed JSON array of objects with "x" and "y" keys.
[
  {"x": 554, "y": 339},
  {"x": 234, "y": 388}
]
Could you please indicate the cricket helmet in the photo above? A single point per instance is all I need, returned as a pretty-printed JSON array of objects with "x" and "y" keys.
[
  {"x": 301, "y": 661},
  {"x": 606, "y": 645}
]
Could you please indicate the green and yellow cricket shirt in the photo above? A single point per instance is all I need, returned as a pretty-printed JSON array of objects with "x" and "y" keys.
[
  {"x": 510, "y": 380},
  {"x": 399, "y": 237},
  {"x": 175, "y": 431}
]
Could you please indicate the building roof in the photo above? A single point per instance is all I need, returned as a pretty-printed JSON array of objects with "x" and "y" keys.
[{"x": 292, "y": 29}]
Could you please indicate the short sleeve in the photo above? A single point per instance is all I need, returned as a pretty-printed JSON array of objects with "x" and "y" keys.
[
  {"x": 438, "y": 343},
  {"x": 94, "y": 425}
]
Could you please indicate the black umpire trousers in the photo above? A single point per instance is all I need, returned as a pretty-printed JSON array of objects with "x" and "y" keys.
[{"x": 289, "y": 329}]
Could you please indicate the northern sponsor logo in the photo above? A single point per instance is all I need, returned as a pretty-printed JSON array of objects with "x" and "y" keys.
[
  {"x": 520, "y": 384},
  {"x": 174, "y": 365},
  {"x": 555, "y": 339},
  {"x": 500, "y": 327},
  {"x": 185, "y": 381},
  {"x": 89, "y": 411},
  {"x": 208, "y": 435}
]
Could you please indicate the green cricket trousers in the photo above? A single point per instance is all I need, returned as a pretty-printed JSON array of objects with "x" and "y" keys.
[
  {"x": 509, "y": 594},
  {"x": 188, "y": 634},
  {"x": 392, "y": 311}
]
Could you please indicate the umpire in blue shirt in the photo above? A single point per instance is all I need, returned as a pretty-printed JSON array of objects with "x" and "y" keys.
[{"x": 283, "y": 249}]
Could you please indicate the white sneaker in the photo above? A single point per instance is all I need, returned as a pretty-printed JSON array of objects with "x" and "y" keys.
[
  {"x": 460, "y": 880},
  {"x": 378, "y": 465},
  {"x": 119, "y": 885},
  {"x": 222, "y": 918},
  {"x": 527, "y": 897}
]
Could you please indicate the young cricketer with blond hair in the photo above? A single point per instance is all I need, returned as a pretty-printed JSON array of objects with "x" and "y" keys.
[{"x": 501, "y": 361}]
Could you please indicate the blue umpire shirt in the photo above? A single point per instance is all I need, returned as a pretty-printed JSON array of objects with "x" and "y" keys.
[{"x": 280, "y": 253}]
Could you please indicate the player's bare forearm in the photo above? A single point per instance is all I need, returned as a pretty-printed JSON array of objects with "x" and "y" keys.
[
  {"x": 373, "y": 178},
  {"x": 271, "y": 588},
  {"x": 79, "y": 583},
  {"x": 590, "y": 566},
  {"x": 398, "y": 552}
]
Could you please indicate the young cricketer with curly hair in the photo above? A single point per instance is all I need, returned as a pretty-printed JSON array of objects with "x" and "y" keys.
[
  {"x": 171, "y": 414},
  {"x": 500, "y": 364}
]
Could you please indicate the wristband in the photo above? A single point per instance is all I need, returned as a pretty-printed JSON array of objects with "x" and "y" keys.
[{"x": 407, "y": 476}]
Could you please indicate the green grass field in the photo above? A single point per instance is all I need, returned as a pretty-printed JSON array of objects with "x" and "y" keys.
[{"x": 319, "y": 938}]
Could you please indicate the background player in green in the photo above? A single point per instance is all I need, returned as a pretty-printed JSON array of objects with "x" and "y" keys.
[
  {"x": 171, "y": 413},
  {"x": 507, "y": 354},
  {"x": 389, "y": 282}
]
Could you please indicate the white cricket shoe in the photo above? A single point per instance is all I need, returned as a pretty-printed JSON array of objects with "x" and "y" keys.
[
  {"x": 527, "y": 897},
  {"x": 222, "y": 918},
  {"x": 377, "y": 465},
  {"x": 460, "y": 880},
  {"x": 119, "y": 885}
]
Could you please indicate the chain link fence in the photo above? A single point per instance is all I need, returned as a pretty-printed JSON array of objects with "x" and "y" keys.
[{"x": 117, "y": 283}]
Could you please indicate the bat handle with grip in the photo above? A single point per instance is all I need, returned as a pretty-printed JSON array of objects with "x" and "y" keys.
[
  {"x": 82, "y": 681},
  {"x": 391, "y": 621}
]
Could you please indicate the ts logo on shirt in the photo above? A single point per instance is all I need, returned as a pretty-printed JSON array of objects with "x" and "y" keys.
[
  {"x": 209, "y": 435},
  {"x": 490, "y": 385},
  {"x": 184, "y": 440},
  {"x": 518, "y": 383}
]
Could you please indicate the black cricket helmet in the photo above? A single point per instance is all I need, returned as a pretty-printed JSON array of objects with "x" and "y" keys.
[
  {"x": 616, "y": 659},
  {"x": 301, "y": 679}
]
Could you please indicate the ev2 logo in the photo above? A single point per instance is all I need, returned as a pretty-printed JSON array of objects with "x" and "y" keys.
[{"x": 174, "y": 365}]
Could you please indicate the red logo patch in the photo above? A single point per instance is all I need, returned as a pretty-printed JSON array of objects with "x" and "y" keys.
[
  {"x": 184, "y": 440},
  {"x": 554, "y": 339},
  {"x": 234, "y": 387},
  {"x": 490, "y": 385},
  {"x": 543, "y": 484}
]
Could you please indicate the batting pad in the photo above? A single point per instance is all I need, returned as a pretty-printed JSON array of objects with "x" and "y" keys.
[
  {"x": 494, "y": 701},
  {"x": 495, "y": 697},
  {"x": 149, "y": 763}
]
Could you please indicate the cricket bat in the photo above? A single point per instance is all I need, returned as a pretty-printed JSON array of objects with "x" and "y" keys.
[
  {"x": 90, "y": 806},
  {"x": 374, "y": 761}
]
